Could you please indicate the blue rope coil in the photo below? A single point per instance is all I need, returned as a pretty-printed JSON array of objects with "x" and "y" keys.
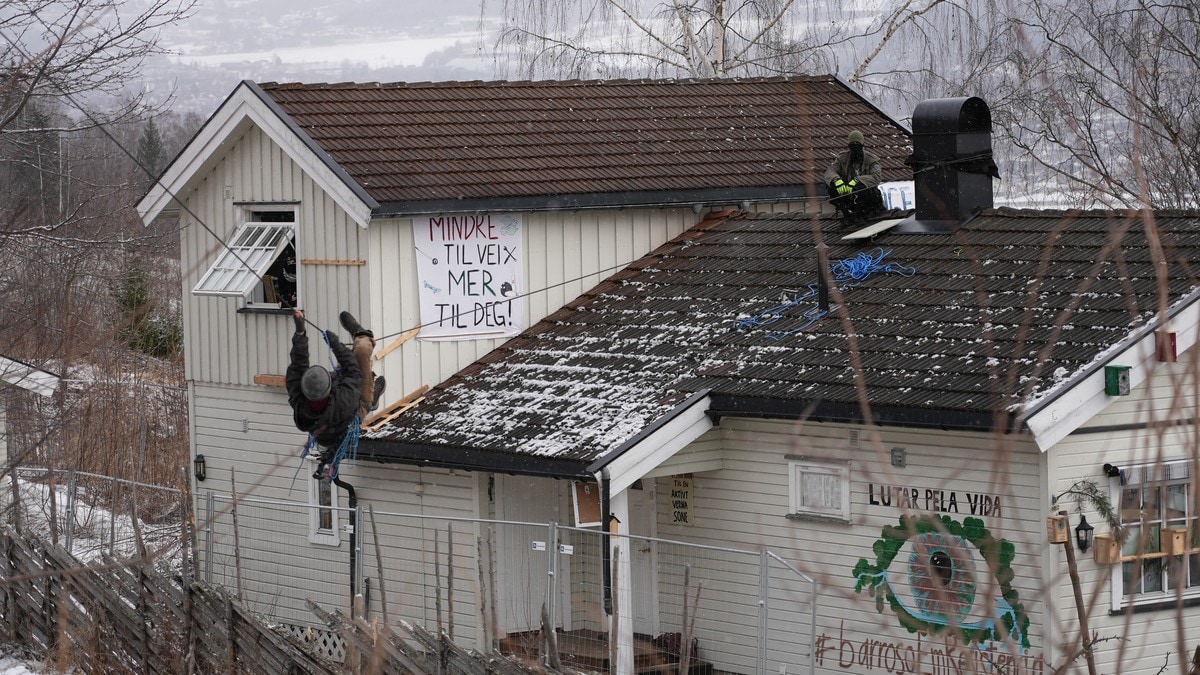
[{"x": 846, "y": 274}]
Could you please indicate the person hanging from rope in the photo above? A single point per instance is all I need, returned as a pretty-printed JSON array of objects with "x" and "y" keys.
[
  {"x": 853, "y": 181},
  {"x": 331, "y": 406}
]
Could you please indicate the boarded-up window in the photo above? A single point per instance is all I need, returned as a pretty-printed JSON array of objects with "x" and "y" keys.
[{"x": 819, "y": 488}]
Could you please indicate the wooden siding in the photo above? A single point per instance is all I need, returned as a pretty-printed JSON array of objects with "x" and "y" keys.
[
  {"x": 745, "y": 504},
  {"x": 222, "y": 345},
  {"x": 1138, "y": 643},
  {"x": 247, "y": 432},
  {"x": 566, "y": 253}
]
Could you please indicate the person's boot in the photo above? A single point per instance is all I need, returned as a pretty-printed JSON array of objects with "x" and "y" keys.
[
  {"x": 380, "y": 385},
  {"x": 353, "y": 327}
]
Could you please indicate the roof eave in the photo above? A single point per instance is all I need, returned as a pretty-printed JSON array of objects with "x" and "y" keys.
[
  {"x": 598, "y": 200},
  {"x": 249, "y": 106},
  {"x": 470, "y": 459},
  {"x": 656, "y": 443},
  {"x": 1069, "y": 406},
  {"x": 734, "y": 405},
  {"x": 28, "y": 377}
]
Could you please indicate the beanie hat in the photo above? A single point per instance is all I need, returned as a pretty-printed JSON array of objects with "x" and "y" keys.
[
  {"x": 316, "y": 383},
  {"x": 855, "y": 137}
]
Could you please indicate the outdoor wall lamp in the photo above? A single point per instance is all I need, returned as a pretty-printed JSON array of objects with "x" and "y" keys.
[
  {"x": 199, "y": 467},
  {"x": 1083, "y": 534}
]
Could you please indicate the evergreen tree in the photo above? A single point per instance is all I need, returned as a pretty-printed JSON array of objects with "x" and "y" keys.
[{"x": 150, "y": 154}]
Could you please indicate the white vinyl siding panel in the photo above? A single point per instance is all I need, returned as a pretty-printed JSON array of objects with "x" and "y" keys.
[
  {"x": 221, "y": 345},
  {"x": 745, "y": 506},
  {"x": 1119, "y": 436}
]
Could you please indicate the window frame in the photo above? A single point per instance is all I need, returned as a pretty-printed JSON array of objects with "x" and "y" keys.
[
  {"x": 322, "y": 536},
  {"x": 1137, "y": 479},
  {"x": 258, "y": 254},
  {"x": 798, "y": 466}
]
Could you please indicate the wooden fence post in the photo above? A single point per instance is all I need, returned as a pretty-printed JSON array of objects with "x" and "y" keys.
[
  {"x": 187, "y": 535},
  {"x": 378, "y": 563},
  {"x": 237, "y": 546}
]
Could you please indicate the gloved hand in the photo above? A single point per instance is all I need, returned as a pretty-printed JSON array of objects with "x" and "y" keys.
[
  {"x": 854, "y": 185},
  {"x": 842, "y": 187}
]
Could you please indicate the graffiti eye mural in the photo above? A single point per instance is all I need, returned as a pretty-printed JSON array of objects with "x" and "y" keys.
[{"x": 937, "y": 574}]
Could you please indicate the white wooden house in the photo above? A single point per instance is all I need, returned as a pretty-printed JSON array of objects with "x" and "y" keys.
[
  {"x": 974, "y": 371},
  {"x": 986, "y": 362},
  {"x": 469, "y": 211}
]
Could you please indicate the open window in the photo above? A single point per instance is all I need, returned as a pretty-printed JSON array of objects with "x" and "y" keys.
[{"x": 258, "y": 263}]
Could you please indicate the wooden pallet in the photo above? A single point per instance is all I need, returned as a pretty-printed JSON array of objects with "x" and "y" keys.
[{"x": 381, "y": 418}]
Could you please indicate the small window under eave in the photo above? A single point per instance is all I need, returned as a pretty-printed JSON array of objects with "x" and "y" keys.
[{"x": 251, "y": 251}]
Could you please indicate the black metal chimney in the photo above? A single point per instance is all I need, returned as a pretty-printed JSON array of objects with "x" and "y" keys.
[{"x": 952, "y": 163}]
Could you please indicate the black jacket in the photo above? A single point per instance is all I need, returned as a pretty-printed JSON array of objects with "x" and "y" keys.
[{"x": 331, "y": 424}]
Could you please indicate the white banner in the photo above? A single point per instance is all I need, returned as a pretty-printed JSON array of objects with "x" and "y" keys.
[{"x": 470, "y": 275}]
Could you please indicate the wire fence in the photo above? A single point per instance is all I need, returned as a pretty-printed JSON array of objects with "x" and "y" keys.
[
  {"x": 485, "y": 582},
  {"x": 480, "y": 582},
  {"x": 91, "y": 515}
]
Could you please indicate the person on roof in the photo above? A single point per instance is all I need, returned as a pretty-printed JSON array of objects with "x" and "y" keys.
[
  {"x": 323, "y": 403},
  {"x": 853, "y": 180}
]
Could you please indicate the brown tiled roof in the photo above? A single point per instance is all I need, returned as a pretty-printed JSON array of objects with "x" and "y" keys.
[
  {"x": 454, "y": 141},
  {"x": 952, "y": 330}
]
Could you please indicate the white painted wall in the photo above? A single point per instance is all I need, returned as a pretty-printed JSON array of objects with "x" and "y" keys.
[
  {"x": 1138, "y": 642},
  {"x": 744, "y": 505},
  {"x": 222, "y": 345}
]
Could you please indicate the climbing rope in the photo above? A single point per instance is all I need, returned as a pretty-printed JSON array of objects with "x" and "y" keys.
[
  {"x": 348, "y": 448},
  {"x": 846, "y": 274}
]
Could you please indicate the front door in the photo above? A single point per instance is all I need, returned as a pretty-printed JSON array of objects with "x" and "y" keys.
[
  {"x": 642, "y": 524},
  {"x": 522, "y": 560}
]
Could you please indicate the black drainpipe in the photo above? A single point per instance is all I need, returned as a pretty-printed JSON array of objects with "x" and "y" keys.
[
  {"x": 352, "y": 502},
  {"x": 606, "y": 552}
]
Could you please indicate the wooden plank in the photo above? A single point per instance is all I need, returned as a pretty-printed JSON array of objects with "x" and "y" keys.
[
  {"x": 404, "y": 337},
  {"x": 326, "y": 261},
  {"x": 394, "y": 410},
  {"x": 269, "y": 380}
]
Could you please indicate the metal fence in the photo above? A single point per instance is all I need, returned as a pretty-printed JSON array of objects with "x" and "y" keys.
[
  {"x": 481, "y": 582},
  {"x": 91, "y": 515},
  {"x": 486, "y": 582}
]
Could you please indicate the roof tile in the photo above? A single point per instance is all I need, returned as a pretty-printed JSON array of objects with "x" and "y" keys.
[
  {"x": 482, "y": 140},
  {"x": 991, "y": 316}
]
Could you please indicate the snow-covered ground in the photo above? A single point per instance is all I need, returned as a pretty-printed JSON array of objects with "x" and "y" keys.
[{"x": 14, "y": 661}]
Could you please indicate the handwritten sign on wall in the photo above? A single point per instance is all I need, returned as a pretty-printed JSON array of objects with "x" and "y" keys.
[
  {"x": 681, "y": 499},
  {"x": 470, "y": 275}
]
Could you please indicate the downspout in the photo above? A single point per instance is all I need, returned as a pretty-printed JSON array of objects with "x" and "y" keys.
[
  {"x": 352, "y": 502},
  {"x": 606, "y": 552}
]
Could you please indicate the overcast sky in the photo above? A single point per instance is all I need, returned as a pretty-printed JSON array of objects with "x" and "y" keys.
[{"x": 226, "y": 41}]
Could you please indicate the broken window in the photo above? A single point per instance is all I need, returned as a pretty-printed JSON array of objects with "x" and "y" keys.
[{"x": 258, "y": 263}]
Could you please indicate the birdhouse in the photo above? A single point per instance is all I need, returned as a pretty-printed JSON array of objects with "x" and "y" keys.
[
  {"x": 1175, "y": 541},
  {"x": 1116, "y": 380},
  {"x": 1058, "y": 529},
  {"x": 1105, "y": 549}
]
